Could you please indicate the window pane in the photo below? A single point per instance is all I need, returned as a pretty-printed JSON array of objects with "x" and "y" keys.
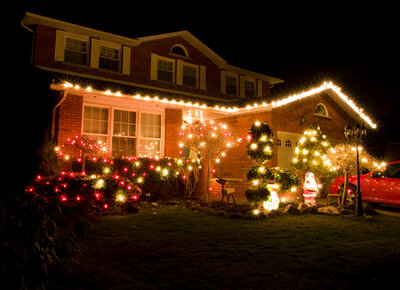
[
  {"x": 149, "y": 147},
  {"x": 109, "y": 58},
  {"x": 150, "y": 125},
  {"x": 231, "y": 85},
  {"x": 95, "y": 120},
  {"x": 75, "y": 51},
  {"x": 123, "y": 146},
  {"x": 164, "y": 70},
  {"x": 189, "y": 76}
]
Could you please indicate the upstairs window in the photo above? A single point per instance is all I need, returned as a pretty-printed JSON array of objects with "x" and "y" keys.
[
  {"x": 76, "y": 51},
  {"x": 165, "y": 70},
  {"x": 109, "y": 58},
  {"x": 231, "y": 85},
  {"x": 189, "y": 76},
  {"x": 249, "y": 89}
]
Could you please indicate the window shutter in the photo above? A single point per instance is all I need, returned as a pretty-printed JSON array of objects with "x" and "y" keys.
[
  {"x": 153, "y": 67},
  {"x": 95, "y": 53},
  {"x": 179, "y": 72},
  {"x": 223, "y": 82},
  {"x": 126, "y": 60},
  {"x": 60, "y": 46},
  {"x": 202, "y": 77},
  {"x": 259, "y": 88}
]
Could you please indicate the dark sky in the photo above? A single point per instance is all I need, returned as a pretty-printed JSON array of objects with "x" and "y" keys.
[{"x": 356, "y": 47}]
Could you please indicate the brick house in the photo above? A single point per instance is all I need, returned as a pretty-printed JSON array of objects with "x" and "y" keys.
[{"x": 135, "y": 94}]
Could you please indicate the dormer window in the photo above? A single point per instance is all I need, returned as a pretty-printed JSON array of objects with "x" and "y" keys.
[{"x": 179, "y": 50}]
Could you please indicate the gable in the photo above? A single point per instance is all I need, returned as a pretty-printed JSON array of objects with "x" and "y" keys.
[{"x": 196, "y": 44}]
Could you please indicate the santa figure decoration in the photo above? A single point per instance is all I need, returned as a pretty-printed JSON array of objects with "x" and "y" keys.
[{"x": 310, "y": 189}]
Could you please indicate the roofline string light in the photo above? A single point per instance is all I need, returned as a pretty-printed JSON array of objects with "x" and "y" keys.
[{"x": 247, "y": 108}]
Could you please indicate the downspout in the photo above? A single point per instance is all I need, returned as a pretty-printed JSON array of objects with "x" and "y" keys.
[
  {"x": 33, "y": 36},
  {"x": 53, "y": 121}
]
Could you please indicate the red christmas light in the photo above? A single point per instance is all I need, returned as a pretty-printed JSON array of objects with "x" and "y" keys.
[
  {"x": 135, "y": 196},
  {"x": 63, "y": 197},
  {"x": 105, "y": 206}
]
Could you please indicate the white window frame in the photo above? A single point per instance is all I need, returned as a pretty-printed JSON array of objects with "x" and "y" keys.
[
  {"x": 321, "y": 115},
  {"x": 162, "y": 138},
  {"x": 232, "y": 75},
  {"x": 136, "y": 137},
  {"x": 94, "y": 135},
  {"x": 110, "y": 128},
  {"x": 80, "y": 38},
  {"x": 196, "y": 67},
  {"x": 154, "y": 68},
  {"x": 113, "y": 46}
]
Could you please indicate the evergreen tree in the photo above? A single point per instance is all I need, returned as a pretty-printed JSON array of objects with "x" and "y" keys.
[
  {"x": 310, "y": 153},
  {"x": 259, "y": 149}
]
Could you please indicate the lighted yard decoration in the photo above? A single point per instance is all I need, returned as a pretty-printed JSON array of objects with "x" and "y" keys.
[
  {"x": 311, "y": 154},
  {"x": 260, "y": 149},
  {"x": 342, "y": 158},
  {"x": 209, "y": 141},
  {"x": 273, "y": 201},
  {"x": 310, "y": 189}
]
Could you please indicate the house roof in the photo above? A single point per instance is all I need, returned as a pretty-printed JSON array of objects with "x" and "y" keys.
[
  {"x": 34, "y": 19},
  {"x": 217, "y": 59}
]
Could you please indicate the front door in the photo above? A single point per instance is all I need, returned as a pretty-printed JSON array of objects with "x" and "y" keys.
[{"x": 286, "y": 144}]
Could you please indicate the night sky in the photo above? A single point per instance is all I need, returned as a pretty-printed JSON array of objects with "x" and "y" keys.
[{"x": 356, "y": 47}]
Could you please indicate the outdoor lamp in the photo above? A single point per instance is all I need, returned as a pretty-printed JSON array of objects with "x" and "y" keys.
[{"x": 355, "y": 135}]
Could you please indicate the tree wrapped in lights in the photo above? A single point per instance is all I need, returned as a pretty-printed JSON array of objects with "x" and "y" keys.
[
  {"x": 208, "y": 141},
  {"x": 259, "y": 148},
  {"x": 342, "y": 158},
  {"x": 80, "y": 148},
  {"x": 311, "y": 153}
]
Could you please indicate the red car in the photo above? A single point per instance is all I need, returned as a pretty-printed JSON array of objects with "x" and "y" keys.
[{"x": 376, "y": 186}]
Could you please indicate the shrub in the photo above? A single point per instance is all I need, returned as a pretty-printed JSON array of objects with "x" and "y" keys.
[
  {"x": 32, "y": 249},
  {"x": 257, "y": 195}
]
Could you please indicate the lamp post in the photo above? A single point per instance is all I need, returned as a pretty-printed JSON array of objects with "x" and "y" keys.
[{"x": 355, "y": 135}]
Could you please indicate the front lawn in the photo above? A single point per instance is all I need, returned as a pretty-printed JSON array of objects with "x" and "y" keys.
[{"x": 169, "y": 246}]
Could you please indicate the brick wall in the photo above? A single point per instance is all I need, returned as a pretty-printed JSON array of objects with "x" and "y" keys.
[
  {"x": 69, "y": 118},
  {"x": 236, "y": 163},
  {"x": 286, "y": 118},
  {"x": 140, "y": 64},
  {"x": 173, "y": 123}
]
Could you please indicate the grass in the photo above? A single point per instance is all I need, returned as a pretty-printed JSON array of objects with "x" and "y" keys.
[{"x": 178, "y": 248}]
